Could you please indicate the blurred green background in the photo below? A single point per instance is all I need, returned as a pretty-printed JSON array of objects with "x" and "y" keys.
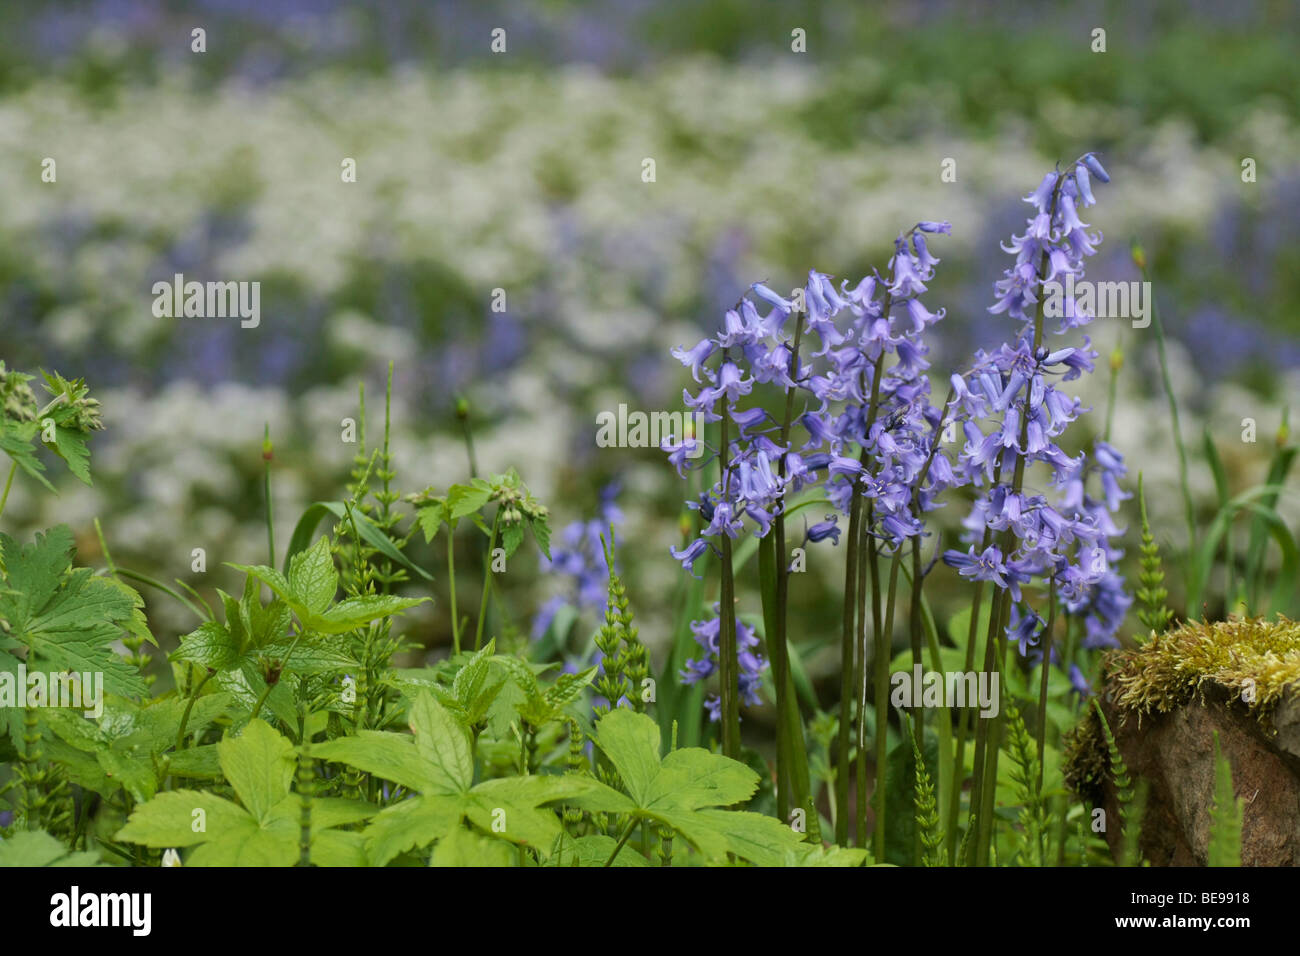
[{"x": 522, "y": 171}]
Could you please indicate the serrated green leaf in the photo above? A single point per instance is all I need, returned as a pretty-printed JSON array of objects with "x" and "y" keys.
[
  {"x": 354, "y": 612},
  {"x": 463, "y": 500},
  {"x": 259, "y": 764},
  {"x": 388, "y": 756},
  {"x": 410, "y": 824},
  {"x": 443, "y": 743},
  {"x": 170, "y": 820},
  {"x": 313, "y": 579},
  {"x": 631, "y": 742},
  {"x": 208, "y": 645}
]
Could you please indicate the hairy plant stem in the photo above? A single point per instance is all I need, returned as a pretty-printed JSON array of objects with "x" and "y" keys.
[{"x": 487, "y": 580}]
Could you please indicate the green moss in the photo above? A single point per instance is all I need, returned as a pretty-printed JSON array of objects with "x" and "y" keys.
[{"x": 1256, "y": 661}]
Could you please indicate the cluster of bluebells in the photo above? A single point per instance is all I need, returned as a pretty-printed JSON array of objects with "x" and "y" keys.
[
  {"x": 578, "y": 561},
  {"x": 900, "y": 468},
  {"x": 1013, "y": 410},
  {"x": 853, "y": 336},
  {"x": 708, "y": 635}
]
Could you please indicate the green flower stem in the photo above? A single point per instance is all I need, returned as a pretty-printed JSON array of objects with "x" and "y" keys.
[
  {"x": 882, "y": 710},
  {"x": 189, "y": 706},
  {"x": 487, "y": 581},
  {"x": 13, "y": 468},
  {"x": 995, "y": 645},
  {"x": 1046, "y": 667},
  {"x": 266, "y": 487},
  {"x": 848, "y": 673},
  {"x": 868, "y": 566},
  {"x": 627, "y": 832},
  {"x": 270, "y": 686},
  {"x": 767, "y": 561},
  {"x": 792, "y": 755},
  {"x": 728, "y": 652},
  {"x": 451, "y": 587},
  {"x": 846, "y": 670}
]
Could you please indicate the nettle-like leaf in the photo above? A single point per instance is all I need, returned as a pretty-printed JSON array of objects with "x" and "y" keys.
[
  {"x": 251, "y": 645},
  {"x": 437, "y": 763},
  {"x": 474, "y": 688},
  {"x": 67, "y": 618},
  {"x": 18, "y": 441},
  {"x": 262, "y": 829},
  {"x": 527, "y": 699},
  {"x": 309, "y": 591},
  {"x": 125, "y": 748},
  {"x": 682, "y": 791}
]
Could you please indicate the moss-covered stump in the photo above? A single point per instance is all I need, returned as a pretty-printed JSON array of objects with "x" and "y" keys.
[{"x": 1164, "y": 701}]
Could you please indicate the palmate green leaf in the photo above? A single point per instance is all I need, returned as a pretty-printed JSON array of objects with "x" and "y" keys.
[
  {"x": 411, "y": 824},
  {"x": 711, "y": 780},
  {"x": 678, "y": 791},
  {"x": 259, "y": 764},
  {"x": 38, "y": 848},
  {"x": 67, "y": 618},
  {"x": 170, "y": 820},
  {"x": 265, "y": 831},
  {"x": 631, "y": 742}
]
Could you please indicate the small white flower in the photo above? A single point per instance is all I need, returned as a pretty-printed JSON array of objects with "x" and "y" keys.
[{"x": 171, "y": 858}]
